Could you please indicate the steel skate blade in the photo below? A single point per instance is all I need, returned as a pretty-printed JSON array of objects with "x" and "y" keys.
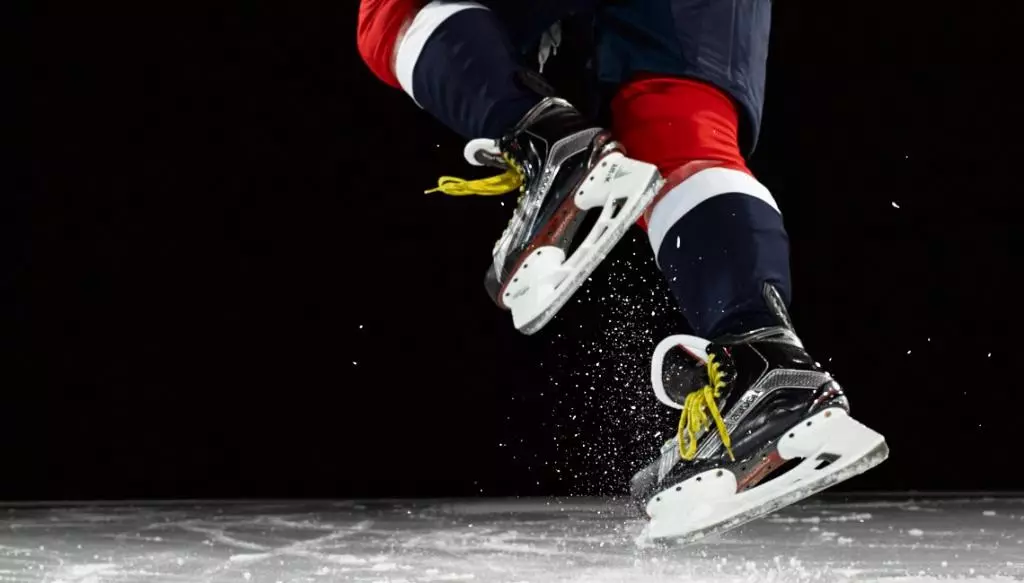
[
  {"x": 624, "y": 188},
  {"x": 708, "y": 504}
]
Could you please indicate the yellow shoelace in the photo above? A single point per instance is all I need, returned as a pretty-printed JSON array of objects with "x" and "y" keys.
[
  {"x": 694, "y": 417},
  {"x": 505, "y": 183}
]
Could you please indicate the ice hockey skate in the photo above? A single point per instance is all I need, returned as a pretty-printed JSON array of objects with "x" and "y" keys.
[
  {"x": 564, "y": 168},
  {"x": 761, "y": 426}
]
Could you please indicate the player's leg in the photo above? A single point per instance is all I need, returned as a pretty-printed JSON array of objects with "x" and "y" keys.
[
  {"x": 761, "y": 424},
  {"x": 456, "y": 61},
  {"x": 692, "y": 98}
]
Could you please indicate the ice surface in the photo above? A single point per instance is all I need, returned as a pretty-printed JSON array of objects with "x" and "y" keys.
[{"x": 510, "y": 541}]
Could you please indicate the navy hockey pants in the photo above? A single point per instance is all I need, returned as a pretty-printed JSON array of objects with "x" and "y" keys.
[{"x": 721, "y": 42}]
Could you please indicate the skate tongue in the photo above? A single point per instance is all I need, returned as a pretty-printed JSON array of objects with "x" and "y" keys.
[
  {"x": 692, "y": 374},
  {"x": 682, "y": 374},
  {"x": 484, "y": 152},
  {"x": 679, "y": 367}
]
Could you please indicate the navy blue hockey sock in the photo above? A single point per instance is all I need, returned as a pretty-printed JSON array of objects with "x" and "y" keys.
[
  {"x": 457, "y": 62},
  {"x": 719, "y": 238}
]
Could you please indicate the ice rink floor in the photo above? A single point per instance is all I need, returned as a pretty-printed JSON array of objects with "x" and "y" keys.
[{"x": 835, "y": 538}]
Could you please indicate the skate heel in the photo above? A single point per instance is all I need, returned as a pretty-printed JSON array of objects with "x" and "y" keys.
[
  {"x": 545, "y": 278},
  {"x": 829, "y": 446},
  {"x": 830, "y": 433}
]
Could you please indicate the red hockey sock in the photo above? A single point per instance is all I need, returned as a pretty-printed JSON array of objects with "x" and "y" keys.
[
  {"x": 680, "y": 125},
  {"x": 380, "y": 24}
]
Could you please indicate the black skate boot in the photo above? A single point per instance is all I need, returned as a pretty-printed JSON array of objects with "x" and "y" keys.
[
  {"x": 762, "y": 426},
  {"x": 564, "y": 167}
]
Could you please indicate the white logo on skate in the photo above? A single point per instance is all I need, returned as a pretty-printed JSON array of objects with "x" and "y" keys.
[{"x": 615, "y": 172}]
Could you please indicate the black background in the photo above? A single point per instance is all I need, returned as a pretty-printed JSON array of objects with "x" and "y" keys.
[{"x": 235, "y": 287}]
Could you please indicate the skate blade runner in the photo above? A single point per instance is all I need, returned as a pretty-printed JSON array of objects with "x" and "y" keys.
[{"x": 761, "y": 424}]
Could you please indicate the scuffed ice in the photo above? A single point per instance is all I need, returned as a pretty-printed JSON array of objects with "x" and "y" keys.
[{"x": 505, "y": 541}]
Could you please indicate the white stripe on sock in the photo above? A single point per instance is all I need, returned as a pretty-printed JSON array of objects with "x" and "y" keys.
[
  {"x": 696, "y": 189},
  {"x": 427, "y": 20}
]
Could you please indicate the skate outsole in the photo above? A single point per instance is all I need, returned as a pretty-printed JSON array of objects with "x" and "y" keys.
[
  {"x": 865, "y": 462},
  {"x": 572, "y": 283}
]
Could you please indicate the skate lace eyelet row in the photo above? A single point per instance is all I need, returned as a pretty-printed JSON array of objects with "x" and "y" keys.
[{"x": 694, "y": 416}]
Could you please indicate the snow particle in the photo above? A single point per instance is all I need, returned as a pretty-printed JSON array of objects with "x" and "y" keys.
[{"x": 895, "y": 205}]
